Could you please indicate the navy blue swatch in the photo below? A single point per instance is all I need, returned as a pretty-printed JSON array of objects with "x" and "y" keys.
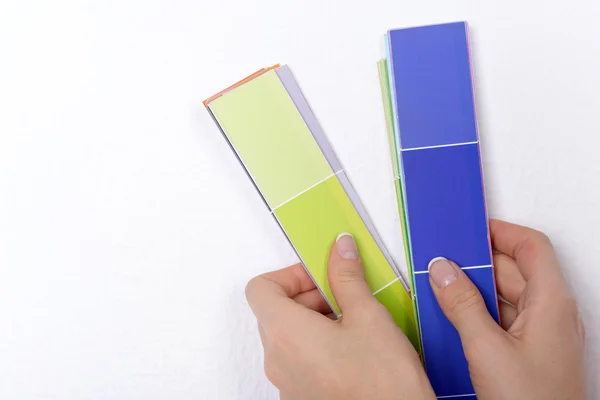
[
  {"x": 445, "y": 362},
  {"x": 445, "y": 205},
  {"x": 433, "y": 88}
]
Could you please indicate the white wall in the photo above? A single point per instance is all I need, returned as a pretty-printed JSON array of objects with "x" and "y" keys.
[{"x": 127, "y": 229}]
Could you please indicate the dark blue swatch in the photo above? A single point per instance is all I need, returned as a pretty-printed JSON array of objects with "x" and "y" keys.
[
  {"x": 445, "y": 361},
  {"x": 445, "y": 205}
]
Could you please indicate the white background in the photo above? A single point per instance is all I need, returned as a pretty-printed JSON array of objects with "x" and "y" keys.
[{"x": 128, "y": 230}]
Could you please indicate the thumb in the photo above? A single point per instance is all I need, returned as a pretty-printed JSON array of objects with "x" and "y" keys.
[
  {"x": 347, "y": 275},
  {"x": 460, "y": 301}
]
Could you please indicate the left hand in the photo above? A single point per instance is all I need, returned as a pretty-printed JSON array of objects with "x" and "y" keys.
[{"x": 363, "y": 355}]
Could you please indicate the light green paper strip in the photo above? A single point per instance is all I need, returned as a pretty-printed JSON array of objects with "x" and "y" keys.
[
  {"x": 271, "y": 138},
  {"x": 389, "y": 115},
  {"x": 279, "y": 152},
  {"x": 392, "y": 140}
]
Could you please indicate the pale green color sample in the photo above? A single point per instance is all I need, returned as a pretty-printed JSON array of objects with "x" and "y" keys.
[
  {"x": 271, "y": 138},
  {"x": 388, "y": 110},
  {"x": 397, "y": 302},
  {"x": 389, "y": 115},
  {"x": 313, "y": 220},
  {"x": 389, "y": 122}
]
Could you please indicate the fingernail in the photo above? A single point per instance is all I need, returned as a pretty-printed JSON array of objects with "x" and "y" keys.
[
  {"x": 442, "y": 272},
  {"x": 346, "y": 247}
]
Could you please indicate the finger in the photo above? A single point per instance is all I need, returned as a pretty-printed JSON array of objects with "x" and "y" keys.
[
  {"x": 509, "y": 281},
  {"x": 293, "y": 279},
  {"x": 270, "y": 301},
  {"x": 460, "y": 301},
  {"x": 531, "y": 249},
  {"x": 347, "y": 276},
  {"x": 508, "y": 314},
  {"x": 277, "y": 286},
  {"x": 313, "y": 300}
]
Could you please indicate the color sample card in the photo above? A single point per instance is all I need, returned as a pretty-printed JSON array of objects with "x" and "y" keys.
[
  {"x": 427, "y": 84},
  {"x": 389, "y": 121},
  {"x": 277, "y": 139},
  {"x": 392, "y": 139}
]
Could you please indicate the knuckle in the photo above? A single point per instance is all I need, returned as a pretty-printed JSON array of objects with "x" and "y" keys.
[
  {"x": 272, "y": 372},
  {"x": 248, "y": 289},
  {"x": 570, "y": 312},
  {"x": 464, "y": 300},
  {"x": 537, "y": 240},
  {"x": 535, "y": 244},
  {"x": 567, "y": 308},
  {"x": 251, "y": 287},
  {"x": 541, "y": 237}
]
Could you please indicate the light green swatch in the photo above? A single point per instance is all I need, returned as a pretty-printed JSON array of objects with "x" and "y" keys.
[
  {"x": 388, "y": 110},
  {"x": 389, "y": 121},
  {"x": 270, "y": 136}
]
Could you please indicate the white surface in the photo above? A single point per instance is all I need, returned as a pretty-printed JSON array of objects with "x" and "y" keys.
[{"x": 127, "y": 229}]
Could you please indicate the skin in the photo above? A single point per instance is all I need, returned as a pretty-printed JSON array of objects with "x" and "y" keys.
[{"x": 536, "y": 354}]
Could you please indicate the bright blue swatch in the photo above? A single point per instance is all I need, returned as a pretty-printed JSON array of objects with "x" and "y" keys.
[
  {"x": 440, "y": 164},
  {"x": 446, "y": 206},
  {"x": 432, "y": 80}
]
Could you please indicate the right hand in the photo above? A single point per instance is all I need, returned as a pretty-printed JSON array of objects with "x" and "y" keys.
[{"x": 540, "y": 354}]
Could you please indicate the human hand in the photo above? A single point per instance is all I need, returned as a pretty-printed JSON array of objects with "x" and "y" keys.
[
  {"x": 363, "y": 355},
  {"x": 540, "y": 355}
]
